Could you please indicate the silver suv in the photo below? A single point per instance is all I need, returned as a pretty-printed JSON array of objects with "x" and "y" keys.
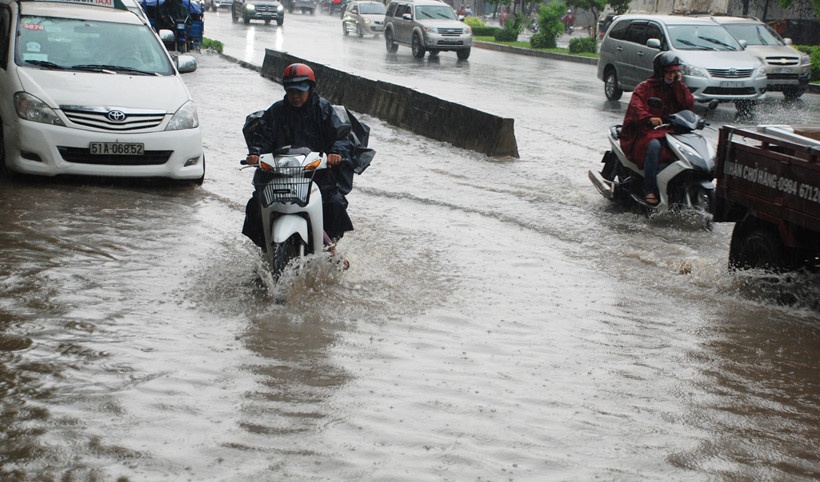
[
  {"x": 787, "y": 69},
  {"x": 426, "y": 26},
  {"x": 713, "y": 62}
]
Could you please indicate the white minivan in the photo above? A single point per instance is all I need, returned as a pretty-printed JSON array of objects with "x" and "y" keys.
[
  {"x": 714, "y": 64},
  {"x": 87, "y": 88}
]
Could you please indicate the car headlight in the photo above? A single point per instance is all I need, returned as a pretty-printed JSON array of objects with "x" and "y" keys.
[
  {"x": 805, "y": 60},
  {"x": 280, "y": 9},
  {"x": 761, "y": 71},
  {"x": 367, "y": 21},
  {"x": 693, "y": 71},
  {"x": 184, "y": 118},
  {"x": 33, "y": 109},
  {"x": 468, "y": 29},
  {"x": 250, "y": 8}
]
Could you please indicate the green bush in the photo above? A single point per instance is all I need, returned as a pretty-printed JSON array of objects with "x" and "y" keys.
[
  {"x": 549, "y": 25},
  {"x": 506, "y": 35},
  {"x": 583, "y": 44},
  {"x": 486, "y": 31},
  {"x": 475, "y": 22},
  {"x": 211, "y": 44},
  {"x": 541, "y": 41},
  {"x": 814, "y": 55}
]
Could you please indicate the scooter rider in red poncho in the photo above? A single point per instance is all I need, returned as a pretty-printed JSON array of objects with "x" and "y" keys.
[{"x": 640, "y": 141}]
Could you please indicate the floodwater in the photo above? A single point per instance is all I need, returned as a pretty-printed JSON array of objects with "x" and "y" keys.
[{"x": 500, "y": 321}]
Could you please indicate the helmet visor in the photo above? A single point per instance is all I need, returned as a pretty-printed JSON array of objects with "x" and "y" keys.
[{"x": 300, "y": 86}]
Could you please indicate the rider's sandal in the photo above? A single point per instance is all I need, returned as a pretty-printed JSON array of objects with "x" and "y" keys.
[{"x": 651, "y": 199}]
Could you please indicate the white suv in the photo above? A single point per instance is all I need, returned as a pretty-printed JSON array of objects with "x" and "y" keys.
[
  {"x": 90, "y": 90},
  {"x": 713, "y": 62},
  {"x": 426, "y": 26}
]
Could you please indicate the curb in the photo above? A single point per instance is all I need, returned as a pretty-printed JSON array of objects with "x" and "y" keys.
[{"x": 810, "y": 89}]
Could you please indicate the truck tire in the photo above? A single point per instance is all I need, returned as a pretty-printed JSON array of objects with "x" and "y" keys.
[
  {"x": 392, "y": 46},
  {"x": 417, "y": 47},
  {"x": 756, "y": 245}
]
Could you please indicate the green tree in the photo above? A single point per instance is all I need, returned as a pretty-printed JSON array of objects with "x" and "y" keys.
[
  {"x": 620, "y": 7},
  {"x": 788, "y": 3},
  {"x": 549, "y": 26}
]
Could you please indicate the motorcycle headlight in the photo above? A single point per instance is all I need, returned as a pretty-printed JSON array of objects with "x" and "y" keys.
[
  {"x": 184, "y": 118},
  {"x": 33, "y": 109},
  {"x": 693, "y": 71}
]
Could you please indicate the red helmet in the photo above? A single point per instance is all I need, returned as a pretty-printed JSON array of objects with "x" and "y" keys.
[{"x": 298, "y": 76}]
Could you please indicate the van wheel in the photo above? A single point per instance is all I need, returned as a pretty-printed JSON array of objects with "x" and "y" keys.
[
  {"x": 418, "y": 49},
  {"x": 611, "y": 89},
  {"x": 392, "y": 46},
  {"x": 5, "y": 172}
]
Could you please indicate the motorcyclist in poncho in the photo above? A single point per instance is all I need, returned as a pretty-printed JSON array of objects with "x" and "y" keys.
[
  {"x": 304, "y": 119},
  {"x": 640, "y": 140}
]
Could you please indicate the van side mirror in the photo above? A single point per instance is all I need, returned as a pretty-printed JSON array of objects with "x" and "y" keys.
[
  {"x": 653, "y": 43},
  {"x": 185, "y": 63}
]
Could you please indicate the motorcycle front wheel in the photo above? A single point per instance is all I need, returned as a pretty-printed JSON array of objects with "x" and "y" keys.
[
  {"x": 285, "y": 252},
  {"x": 701, "y": 198}
]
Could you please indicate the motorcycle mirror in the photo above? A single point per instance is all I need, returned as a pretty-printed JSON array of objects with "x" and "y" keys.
[
  {"x": 713, "y": 104},
  {"x": 655, "y": 102}
]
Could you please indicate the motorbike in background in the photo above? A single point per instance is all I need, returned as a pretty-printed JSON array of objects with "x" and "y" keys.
[
  {"x": 181, "y": 34},
  {"x": 686, "y": 183}
]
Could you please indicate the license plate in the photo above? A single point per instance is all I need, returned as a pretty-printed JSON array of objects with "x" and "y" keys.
[
  {"x": 728, "y": 83},
  {"x": 116, "y": 148}
]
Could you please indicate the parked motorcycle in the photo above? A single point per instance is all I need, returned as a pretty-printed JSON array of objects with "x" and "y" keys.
[
  {"x": 291, "y": 204},
  {"x": 181, "y": 34},
  {"x": 685, "y": 183}
]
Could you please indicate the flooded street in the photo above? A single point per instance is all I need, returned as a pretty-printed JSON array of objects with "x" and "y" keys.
[{"x": 500, "y": 321}]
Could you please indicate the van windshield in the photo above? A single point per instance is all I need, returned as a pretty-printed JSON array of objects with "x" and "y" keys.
[
  {"x": 701, "y": 37},
  {"x": 73, "y": 44}
]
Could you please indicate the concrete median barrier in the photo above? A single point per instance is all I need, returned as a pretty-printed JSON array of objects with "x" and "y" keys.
[{"x": 404, "y": 107}]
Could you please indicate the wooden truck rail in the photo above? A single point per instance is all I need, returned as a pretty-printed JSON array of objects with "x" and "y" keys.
[{"x": 768, "y": 182}]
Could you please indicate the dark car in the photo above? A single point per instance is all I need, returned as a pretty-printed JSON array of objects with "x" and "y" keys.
[{"x": 267, "y": 10}]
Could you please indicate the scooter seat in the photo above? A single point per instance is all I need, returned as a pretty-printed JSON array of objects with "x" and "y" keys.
[{"x": 615, "y": 131}]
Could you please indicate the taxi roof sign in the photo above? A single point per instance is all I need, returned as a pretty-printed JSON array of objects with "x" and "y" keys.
[{"x": 95, "y": 3}]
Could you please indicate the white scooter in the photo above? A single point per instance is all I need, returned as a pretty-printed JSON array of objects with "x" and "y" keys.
[
  {"x": 685, "y": 183},
  {"x": 291, "y": 204}
]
